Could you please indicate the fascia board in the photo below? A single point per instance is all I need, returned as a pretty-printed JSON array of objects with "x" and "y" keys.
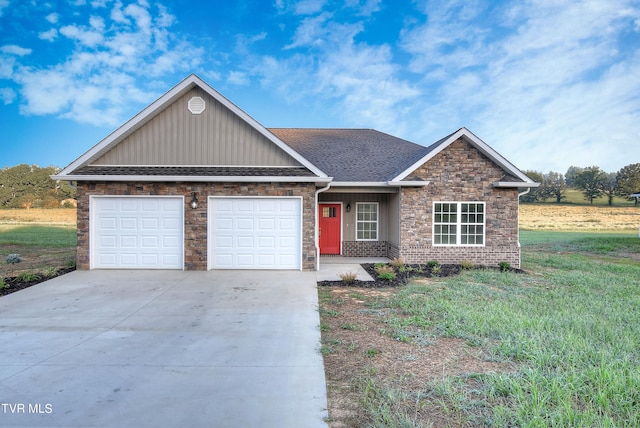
[
  {"x": 193, "y": 178},
  {"x": 359, "y": 184},
  {"x": 157, "y": 106},
  {"x": 483, "y": 147},
  {"x": 515, "y": 184},
  {"x": 408, "y": 183}
]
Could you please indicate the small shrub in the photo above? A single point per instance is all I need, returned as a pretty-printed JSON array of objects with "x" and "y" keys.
[
  {"x": 432, "y": 263},
  {"x": 386, "y": 272},
  {"x": 397, "y": 263},
  {"x": 504, "y": 266},
  {"x": 466, "y": 264},
  {"x": 379, "y": 265},
  {"x": 348, "y": 277},
  {"x": 349, "y": 326},
  {"x": 50, "y": 272},
  {"x": 28, "y": 276},
  {"x": 13, "y": 259},
  {"x": 372, "y": 352},
  {"x": 3, "y": 283},
  {"x": 435, "y": 270}
]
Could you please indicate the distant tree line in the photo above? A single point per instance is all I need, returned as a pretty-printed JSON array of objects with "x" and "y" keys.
[
  {"x": 29, "y": 186},
  {"x": 591, "y": 181}
]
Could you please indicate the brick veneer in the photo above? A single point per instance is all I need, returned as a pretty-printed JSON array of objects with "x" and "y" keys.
[
  {"x": 195, "y": 221},
  {"x": 460, "y": 173},
  {"x": 364, "y": 248}
]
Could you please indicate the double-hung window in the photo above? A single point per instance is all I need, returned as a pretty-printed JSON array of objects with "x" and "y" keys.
[
  {"x": 458, "y": 223},
  {"x": 366, "y": 221}
]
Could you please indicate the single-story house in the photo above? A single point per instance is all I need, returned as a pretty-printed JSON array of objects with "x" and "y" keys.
[{"x": 193, "y": 182}]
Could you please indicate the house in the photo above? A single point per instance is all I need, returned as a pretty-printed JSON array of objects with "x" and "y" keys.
[{"x": 193, "y": 182}]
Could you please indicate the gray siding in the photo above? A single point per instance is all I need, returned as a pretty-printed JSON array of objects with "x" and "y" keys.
[
  {"x": 215, "y": 137},
  {"x": 349, "y": 219}
]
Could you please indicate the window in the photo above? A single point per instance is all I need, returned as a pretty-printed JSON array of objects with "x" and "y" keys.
[
  {"x": 366, "y": 221},
  {"x": 458, "y": 223}
]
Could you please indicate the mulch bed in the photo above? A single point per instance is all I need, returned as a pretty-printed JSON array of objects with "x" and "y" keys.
[
  {"x": 14, "y": 283},
  {"x": 404, "y": 276}
]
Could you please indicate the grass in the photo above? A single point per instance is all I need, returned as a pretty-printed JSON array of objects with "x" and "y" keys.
[
  {"x": 570, "y": 329},
  {"x": 42, "y": 249},
  {"x": 38, "y": 235}
]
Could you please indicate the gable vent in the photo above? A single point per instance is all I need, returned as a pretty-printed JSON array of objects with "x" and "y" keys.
[{"x": 196, "y": 105}]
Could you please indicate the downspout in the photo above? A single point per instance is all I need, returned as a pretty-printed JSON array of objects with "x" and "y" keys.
[
  {"x": 520, "y": 194},
  {"x": 315, "y": 215}
]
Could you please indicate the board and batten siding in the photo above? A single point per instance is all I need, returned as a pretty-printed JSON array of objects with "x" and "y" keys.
[{"x": 217, "y": 137}]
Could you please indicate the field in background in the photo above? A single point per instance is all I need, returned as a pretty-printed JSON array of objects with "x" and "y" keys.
[{"x": 579, "y": 218}]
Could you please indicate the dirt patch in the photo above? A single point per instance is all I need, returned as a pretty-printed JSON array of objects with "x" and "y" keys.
[{"x": 358, "y": 346}]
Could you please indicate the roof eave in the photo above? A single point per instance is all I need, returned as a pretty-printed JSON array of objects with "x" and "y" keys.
[
  {"x": 507, "y": 184},
  {"x": 193, "y": 178},
  {"x": 408, "y": 183}
]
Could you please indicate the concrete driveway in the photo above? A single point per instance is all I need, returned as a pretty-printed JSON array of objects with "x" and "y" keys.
[{"x": 163, "y": 349}]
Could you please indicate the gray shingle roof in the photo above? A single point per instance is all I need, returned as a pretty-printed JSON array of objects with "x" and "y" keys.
[{"x": 361, "y": 155}]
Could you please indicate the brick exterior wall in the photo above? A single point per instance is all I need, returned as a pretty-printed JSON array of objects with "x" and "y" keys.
[
  {"x": 460, "y": 173},
  {"x": 364, "y": 248},
  {"x": 195, "y": 221}
]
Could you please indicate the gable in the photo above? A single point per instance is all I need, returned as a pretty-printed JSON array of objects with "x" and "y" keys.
[
  {"x": 461, "y": 164},
  {"x": 511, "y": 176},
  {"x": 175, "y": 139},
  {"x": 215, "y": 137}
]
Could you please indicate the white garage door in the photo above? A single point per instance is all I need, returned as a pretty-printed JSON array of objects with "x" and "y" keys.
[
  {"x": 136, "y": 232},
  {"x": 255, "y": 233}
]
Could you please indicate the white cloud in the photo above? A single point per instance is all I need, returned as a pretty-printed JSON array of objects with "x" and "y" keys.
[
  {"x": 238, "y": 78},
  {"x": 7, "y": 95},
  {"x": 308, "y": 7},
  {"x": 362, "y": 79},
  {"x": 15, "y": 50},
  {"x": 87, "y": 38},
  {"x": 300, "y": 7},
  {"x": 111, "y": 70},
  {"x": 50, "y": 35},
  {"x": 52, "y": 18}
]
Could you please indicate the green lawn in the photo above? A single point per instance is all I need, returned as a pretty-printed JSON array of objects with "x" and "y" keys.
[
  {"x": 571, "y": 327},
  {"x": 36, "y": 235},
  {"x": 42, "y": 249}
]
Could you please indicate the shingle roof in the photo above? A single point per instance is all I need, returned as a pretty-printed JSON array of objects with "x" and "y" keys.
[{"x": 360, "y": 155}]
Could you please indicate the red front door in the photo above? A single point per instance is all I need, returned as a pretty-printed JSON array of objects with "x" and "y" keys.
[{"x": 329, "y": 224}]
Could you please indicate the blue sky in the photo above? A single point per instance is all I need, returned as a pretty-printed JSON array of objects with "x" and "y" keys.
[{"x": 547, "y": 83}]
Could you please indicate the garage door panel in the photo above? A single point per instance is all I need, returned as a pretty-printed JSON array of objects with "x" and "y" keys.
[
  {"x": 137, "y": 232},
  {"x": 247, "y": 232}
]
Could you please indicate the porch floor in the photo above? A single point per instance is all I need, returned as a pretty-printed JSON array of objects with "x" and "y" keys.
[{"x": 332, "y": 267}]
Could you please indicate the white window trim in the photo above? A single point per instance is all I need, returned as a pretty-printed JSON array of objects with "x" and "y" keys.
[
  {"x": 377, "y": 204},
  {"x": 459, "y": 224}
]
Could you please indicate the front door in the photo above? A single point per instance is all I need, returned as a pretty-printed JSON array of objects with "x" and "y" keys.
[{"x": 329, "y": 224}]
